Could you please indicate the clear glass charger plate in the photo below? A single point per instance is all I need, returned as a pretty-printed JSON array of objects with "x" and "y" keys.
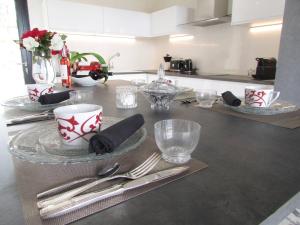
[
  {"x": 24, "y": 103},
  {"x": 42, "y": 144},
  {"x": 276, "y": 108}
]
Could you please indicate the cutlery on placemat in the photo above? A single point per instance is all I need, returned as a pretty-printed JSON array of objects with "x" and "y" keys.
[
  {"x": 31, "y": 118},
  {"x": 90, "y": 198},
  {"x": 136, "y": 173},
  {"x": 101, "y": 174}
]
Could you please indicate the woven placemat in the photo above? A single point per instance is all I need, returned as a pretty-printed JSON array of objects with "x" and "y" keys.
[
  {"x": 290, "y": 120},
  {"x": 35, "y": 178}
]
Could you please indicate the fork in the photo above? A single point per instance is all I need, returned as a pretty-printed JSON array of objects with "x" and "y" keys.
[{"x": 133, "y": 174}]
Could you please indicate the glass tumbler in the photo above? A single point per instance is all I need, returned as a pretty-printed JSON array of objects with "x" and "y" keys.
[
  {"x": 206, "y": 98},
  {"x": 126, "y": 97},
  {"x": 81, "y": 96},
  {"x": 177, "y": 139}
]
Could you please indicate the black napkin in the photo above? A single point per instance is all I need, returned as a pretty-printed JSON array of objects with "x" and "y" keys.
[
  {"x": 231, "y": 99},
  {"x": 109, "y": 139},
  {"x": 54, "y": 98}
]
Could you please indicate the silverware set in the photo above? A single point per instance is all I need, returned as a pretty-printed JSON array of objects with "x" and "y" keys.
[
  {"x": 60, "y": 204},
  {"x": 46, "y": 115}
]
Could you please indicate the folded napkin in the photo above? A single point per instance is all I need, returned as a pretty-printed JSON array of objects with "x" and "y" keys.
[
  {"x": 110, "y": 138},
  {"x": 54, "y": 98},
  {"x": 231, "y": 99}
]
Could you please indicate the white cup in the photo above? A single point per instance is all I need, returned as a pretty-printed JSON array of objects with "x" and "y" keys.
[
  {"x": 76, "y": 123},
  {"x": 260, "y": 96},
  {"x": 36, "y": 90}
]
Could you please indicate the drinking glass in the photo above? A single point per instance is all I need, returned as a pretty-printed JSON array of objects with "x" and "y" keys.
[
  {"x": 81, "y": 96},
  {"x": 176, "y": 139},
  {"x": 206, "y": 98},
  {"x": 126, "y": 97}
]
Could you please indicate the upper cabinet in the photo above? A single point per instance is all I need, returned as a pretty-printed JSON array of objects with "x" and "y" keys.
[
  {"x": 166, "y": 21},
  {"x": 249, "y": 11},
  {"x": 74, "y": 17},
  {"x": 68, "y": 16},
  {"x": 126, "y": 22}
]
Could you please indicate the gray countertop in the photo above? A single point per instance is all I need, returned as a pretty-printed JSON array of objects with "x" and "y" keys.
[
  {"x": 253, "y": 169},
  {"x": 222, "y": 77}
]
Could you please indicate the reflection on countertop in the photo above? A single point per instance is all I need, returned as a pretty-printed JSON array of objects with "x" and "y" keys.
[{"x": 210, "y": 76}]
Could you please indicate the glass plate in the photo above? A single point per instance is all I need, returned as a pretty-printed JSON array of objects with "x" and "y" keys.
[
  {"x": 24, "y": 103},
  {"x": 42, "y": 144},
  {"x": 276, "y": 108}
]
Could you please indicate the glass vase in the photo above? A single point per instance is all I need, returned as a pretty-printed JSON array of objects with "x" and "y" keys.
[{"x": 43, "y": 71}]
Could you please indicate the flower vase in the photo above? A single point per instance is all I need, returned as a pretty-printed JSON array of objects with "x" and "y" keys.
[{"x": 43, "y": 71}]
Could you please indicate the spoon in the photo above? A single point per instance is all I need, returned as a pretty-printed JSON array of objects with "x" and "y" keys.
[{"x": 101, "y": 174}]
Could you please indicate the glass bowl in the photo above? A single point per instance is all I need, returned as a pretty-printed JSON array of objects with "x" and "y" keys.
[
  {"x": 81, "y": 96},
  {"x": 206, "y": 98},
  {"x": 177, "y": 139}
]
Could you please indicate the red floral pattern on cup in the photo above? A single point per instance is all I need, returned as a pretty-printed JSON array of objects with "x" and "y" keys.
[
  {"x": 255, "y": 98},
  {"x": 34, "y": 94},
  {"x": 71, "y": 130}
]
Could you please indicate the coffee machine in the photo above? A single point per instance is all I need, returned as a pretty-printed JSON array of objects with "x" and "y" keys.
[{"x": 182, "y": 65}]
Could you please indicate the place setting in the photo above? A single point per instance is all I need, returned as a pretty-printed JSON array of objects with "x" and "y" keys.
[
  {"x": 260, "y": 104},
  {"x": 83, "y": 162},
  {"x": 41, "y": 97}
]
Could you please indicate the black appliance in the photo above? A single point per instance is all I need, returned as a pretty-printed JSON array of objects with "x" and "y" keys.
[
  {"x": 181, "y": 65},
  {"x": 266, "y": 69}
]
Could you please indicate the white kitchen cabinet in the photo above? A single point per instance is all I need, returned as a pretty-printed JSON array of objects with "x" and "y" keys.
[
  {"x": 166, "y": 21},
  {"x": 74, "y": 17},
  {"x": 238, "y": 88},
  {"x": 126, "y": 22},
  {"x": 249, "y": 11}
]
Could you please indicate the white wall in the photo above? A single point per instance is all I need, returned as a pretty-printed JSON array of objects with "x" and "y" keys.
[
  {"x": 136, "y": 54},
  {"x": 222, "y": 48}
]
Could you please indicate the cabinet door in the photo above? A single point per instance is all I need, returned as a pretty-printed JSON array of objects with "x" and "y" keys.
[
  {"x": 166, "y": 21},
  {"x": 74, "y": 17},
  {"x": 126, "y": 22},
  {"x": 248, "y": 11}
]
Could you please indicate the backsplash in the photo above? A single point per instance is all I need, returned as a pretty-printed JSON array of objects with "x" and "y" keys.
[
  {"x": 217, "y": 49},
  {"x": 222, "y": 48}
]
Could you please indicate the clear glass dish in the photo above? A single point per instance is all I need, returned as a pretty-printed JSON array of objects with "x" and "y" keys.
[
  {"x": 42, "y": 144},
  {"x": 24, "y": 103},
  {"x": 275, "y": 108},
  {"x": 206, "y": 98},
  {"x": 177, "y": 139},
  {"x": 160, "y": 93}
]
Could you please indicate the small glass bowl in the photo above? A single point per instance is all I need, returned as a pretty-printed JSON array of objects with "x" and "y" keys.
[
  {"x": 81, "y": 96},
  {"x": 206, "y": 98},
  {"x": 177, "y": 139},
  {"x": 138, "y": 82}
]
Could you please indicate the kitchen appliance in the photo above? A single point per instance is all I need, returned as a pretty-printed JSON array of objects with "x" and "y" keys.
[
  {"x": 176, "y": 65},
  {"x": 266, "y": 69},
  {"x": 210, "y": 12},
  {"x": 167, "y": 60},
  {"x": 182, "y": 66}
]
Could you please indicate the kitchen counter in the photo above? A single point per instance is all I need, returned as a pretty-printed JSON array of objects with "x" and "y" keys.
[
  {"x": 221, "y": 77},
  {"x": 253, "y": 169}
]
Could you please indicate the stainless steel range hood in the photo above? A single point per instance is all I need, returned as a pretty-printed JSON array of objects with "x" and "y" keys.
[{"x": 210, "y": 12}]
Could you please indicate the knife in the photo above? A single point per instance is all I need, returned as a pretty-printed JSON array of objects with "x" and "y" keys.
[
  {"x": 30, "y": 119},
  {"x": 81, "y": 201}
]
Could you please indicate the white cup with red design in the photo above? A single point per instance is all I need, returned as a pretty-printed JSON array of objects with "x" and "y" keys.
[
  {"x": 260, "y": 96},
  {"x": 36, "y": 90},
  {"x": 77, "y": 123}
]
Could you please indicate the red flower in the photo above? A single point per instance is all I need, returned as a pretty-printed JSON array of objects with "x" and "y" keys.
[{"x": 35, "y": 33}]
